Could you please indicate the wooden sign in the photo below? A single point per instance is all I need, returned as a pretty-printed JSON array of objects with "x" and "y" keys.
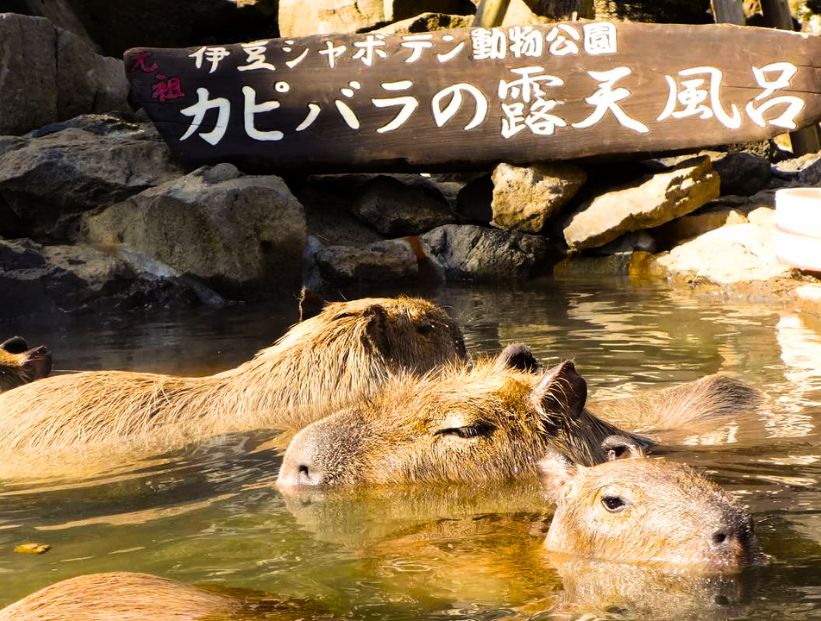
[{"x": 470, "y": 97}]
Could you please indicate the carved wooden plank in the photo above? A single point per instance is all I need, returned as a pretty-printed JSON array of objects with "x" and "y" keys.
[{"x": 472, "y": 97}]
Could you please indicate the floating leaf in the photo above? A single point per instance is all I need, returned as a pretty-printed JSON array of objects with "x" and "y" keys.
[{"x": 32, "y": 548}]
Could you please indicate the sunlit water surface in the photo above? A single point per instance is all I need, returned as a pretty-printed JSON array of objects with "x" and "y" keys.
[{"x": 212, "y": 516}]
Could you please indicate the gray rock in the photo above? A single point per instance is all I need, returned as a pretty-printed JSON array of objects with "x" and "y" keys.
[
  {"x": 242, "y": 235},
  {"x": 525, "y": 198},
  {"x": 297, "y": 18},
  {"x": 811, "y": 175},
  {"x": 39, "y": 279},
  {"x": 470, "y": 252},
  {"x": 384, "y": 261},
  {"x": 50, "y": 74},
  {"x": 427, "y": 22},
  {"x": 655, "y": 200},
  {"x": 396, "y": 209},
  {"x": 791, "y": 168},
  {"x": 70, "y": 171},
  {"x": 741, "y": 173}
]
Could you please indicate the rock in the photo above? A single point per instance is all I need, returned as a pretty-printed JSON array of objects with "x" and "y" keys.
[
  {"x": 657, "y": 199},
  {"x": 75, "y": 279},
  {"x": 741, "y": 173},
  {"x": 635, "y": 264},
  {"x": 427, "y": 22},
  {"x": 656, "y": 11},
  {"x": 473, "y": 202},
  {"x": 58, "y": 12},
  {"x": 811, "y": 175},
  {"x": 526, "y": 197},
  {"x": 470, "y": 252},
  {"x": 384, "y": 261},
  {"x": 729, "y": 255},
  {"x": 396, "y": 209},
  {"x": 241, "y": 235},
  {"x": 792, "y": 168},
  {"x": 46, "y": 180},
  {"x": 296, "y": 18},
  {"x": 51, "y": 74},
  {"x": 697, "y": 223},
  {"x": 808, "y": 298},
  {"x": 626, "y": 244}
]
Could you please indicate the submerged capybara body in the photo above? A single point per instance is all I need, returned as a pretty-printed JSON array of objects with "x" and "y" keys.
[
  {"x": 20, "y": 364},
  {"x": 120, "y": 596},
  {"x": 646, "y": 510},
  {"x": 492, "y": 421},
  {"x": 338, "y": 357}
]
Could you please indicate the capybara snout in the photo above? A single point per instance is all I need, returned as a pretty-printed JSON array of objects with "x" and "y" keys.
[
  {"x": 20, "y": 364},
  {"x": 645, "y": 510}
]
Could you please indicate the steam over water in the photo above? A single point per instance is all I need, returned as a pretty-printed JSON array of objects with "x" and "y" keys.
[{"x": 211, "y": 516}]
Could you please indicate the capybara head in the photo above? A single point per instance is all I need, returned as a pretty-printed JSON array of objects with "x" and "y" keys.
[
  {"x": 491, "y": 421},
  {"x": 645, "y": 510},
  {"x": 20, "y": 364}
]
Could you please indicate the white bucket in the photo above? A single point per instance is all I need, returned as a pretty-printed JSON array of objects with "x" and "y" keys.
[{"x": 798, "y": 224}]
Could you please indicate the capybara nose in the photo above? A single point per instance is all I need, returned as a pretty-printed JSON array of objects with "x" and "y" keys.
[
  {"x": 39, "y": 362},
  {"x": 731, "y": 545},
  {"x": 299, "y": 467}
]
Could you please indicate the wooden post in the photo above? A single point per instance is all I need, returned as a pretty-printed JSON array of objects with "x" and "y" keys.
[
  {"x": 777, "y": 15},
  {"x": 490, "y": 13},
  {"x": 728, "y": 12}
]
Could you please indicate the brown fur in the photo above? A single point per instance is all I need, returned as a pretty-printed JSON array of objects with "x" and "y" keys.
[
  {"x": 120, "y": 596},
  {"x": 665, "y": 513},
  {"x": 322, "y": 364},
  {"x": 487, "y": 422},
  {"x": 705, "y": 400},
  {"x": 20, "y": 364}
]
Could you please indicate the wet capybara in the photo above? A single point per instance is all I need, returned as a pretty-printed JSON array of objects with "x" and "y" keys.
[
  {"x": 492, "y": 421},
  {"x": 339, "y": 357},
  {"x": 120, "y": 596},
  {"x": 644, "y": 510},
  {"x": 20, "y": 364}
]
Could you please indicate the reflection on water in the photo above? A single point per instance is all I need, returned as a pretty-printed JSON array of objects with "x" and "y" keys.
[{"x": 210, "y": 515}]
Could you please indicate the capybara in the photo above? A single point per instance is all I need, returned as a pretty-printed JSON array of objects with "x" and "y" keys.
[
  {"x": 120, "y": 596},
  {"x": 339, "y": 357},
  {"x": 20, "y": 364},
  {"x": 492, "y": 421},
  {"x": 644, "y": 510}
]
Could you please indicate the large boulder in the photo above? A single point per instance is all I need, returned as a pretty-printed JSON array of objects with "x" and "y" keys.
[
  {"x": 37, "y": 279},
  {"x": 50, "y": 74},
  {"x": 298, "y": 18},
  {"x": 47, "y": 179},
  {"x": 526, "y": 197},
  {"x": 648, "y": 203},
  {"x": 396, "y": 209},
  {"x": 391, "y": 260},
  {"x": 241, "y": 235},
  {"x": 741, "y": 173},
  {"x": 730, "y": 255},
  {"x": 470, "y": 252}
]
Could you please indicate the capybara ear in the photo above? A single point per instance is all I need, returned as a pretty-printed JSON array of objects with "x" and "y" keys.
[
  {"x": 556, "y": 471},
  {"x": 621, "y": 447},
  {"x": 377, "y": 327},
  {"x": 15, "y": 345},
  {"x": 310, "y": 304},
  {"x": 519, "y": 357},
  {"x": 561, "y": 391}
]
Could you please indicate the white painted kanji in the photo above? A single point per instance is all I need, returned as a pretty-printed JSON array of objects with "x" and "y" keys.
[
  {"x": 600, "y": 38},
  {"x": 488, "y": 43},
  {"x": 764, "y": 101},
  {"x": 213, "y": 55},
  {"x": 332, "y": 52},
  {"x": 417, "y": 43},
  {"x": 526, "y": 105},
  {"x": 525, "y": 41},
  {"x": 455, "y": 96},
  {"x": 251, "y": 109},
  {"x": 198, "y": 112},
  {"x": 255, "y": 52},
  {"x": 563, "y": 40},
  {"x": 407, "y": 102},
  {"x": 699, "y": 96},
  {"x": 606, "y": 98},
  {"x": 529, "y": 84},
  {"x": 370, "y": 49}
]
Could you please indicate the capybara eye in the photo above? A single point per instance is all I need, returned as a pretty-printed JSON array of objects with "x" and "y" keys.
[
  {"x": 468, "y": 431},
  {"x": 613, "y": 504},
  {"x": 425, "y": 328}
]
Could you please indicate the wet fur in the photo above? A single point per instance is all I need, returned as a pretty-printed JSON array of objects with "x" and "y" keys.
[
  {"x": 20, "y": 364},
  {"x": 320, "y": 365}
]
